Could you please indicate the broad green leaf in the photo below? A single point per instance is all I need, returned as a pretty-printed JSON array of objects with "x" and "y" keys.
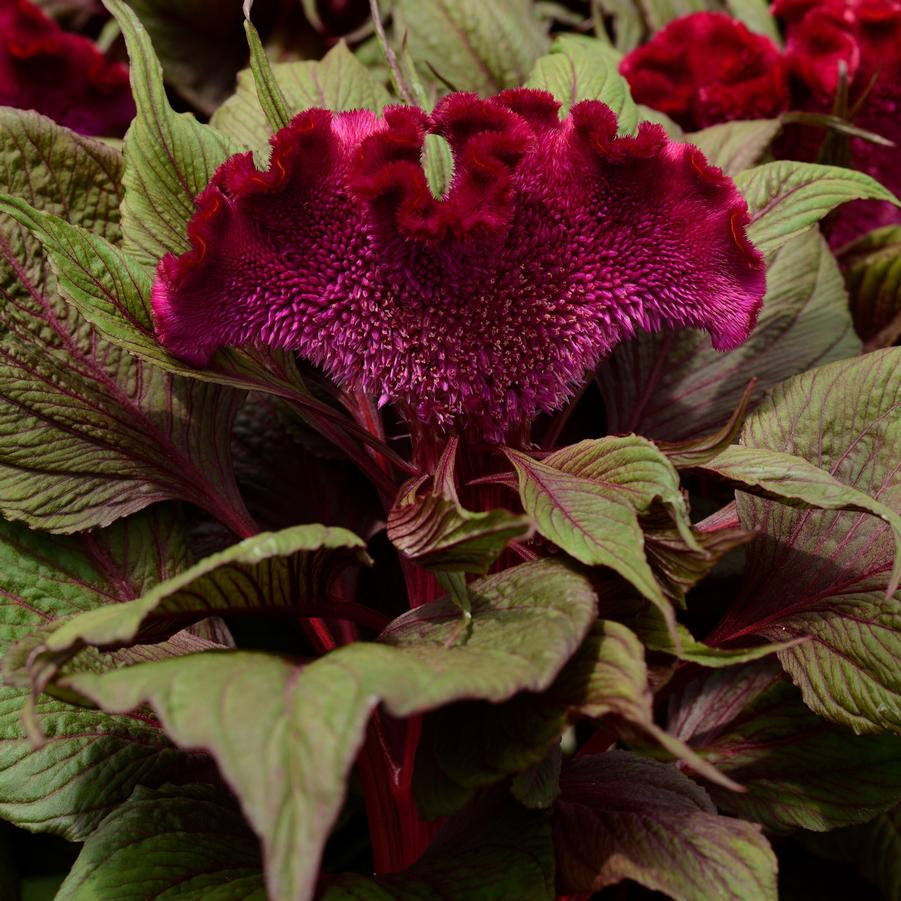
[
  {"x": 586, "y": 522},
  {"x": 472, "y": 45},
  {"x": 786, "y": 198},
  {"x": 87, "y": 433},
  {"x": 339, "y": 82},
  {"x": 433, "y": 529},
  {"x": 872, "y": 268},
  {"x": 675, "y": 386},
  {"x": 735, "y": 146},
  {"x": 169, "y": 157},
  {"x": 627, "y": 22},
  {"x": 792, "y": 480},
  {"x": 278, "y": 573},
  {"x": 823, "y": 574},
  {"x": 493, "y": 853},
  {"x": 42, "y": 579},
  {"x": 290, "y": 770},
  {"x": 581, "y": 68},
  {"x": 757, "y": 16},
  {"x": 797, "y": 771},
  {"x": 187, "y": 841},
  {"x": 620, "y": 816}
]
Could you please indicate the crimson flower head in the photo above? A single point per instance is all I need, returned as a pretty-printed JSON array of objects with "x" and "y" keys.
[
  {"x": 64, "y": 76},
  {"x": 707, "y": 68},
  {"x": 864, "y": 37},
  {"x": 556, "y": 240}
]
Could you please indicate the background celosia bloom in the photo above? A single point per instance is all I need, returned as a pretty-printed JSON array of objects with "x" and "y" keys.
[
  {"x": 64, "y": 76},
  {"x": 555, "y": 241},
  {"x": 707, "y": 68},
  {"x": 865, "y": 37}
]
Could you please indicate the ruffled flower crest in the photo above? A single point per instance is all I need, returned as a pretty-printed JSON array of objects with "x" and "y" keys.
[{"x": 555, "y": 241}]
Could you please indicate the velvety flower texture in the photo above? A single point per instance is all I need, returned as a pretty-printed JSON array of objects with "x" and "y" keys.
[
  {"x": 64, "y": 76},
  {"x": 864, "y": 35},
  {"x": 556, "y": 240},
  {"x": 707, "y": 68}
]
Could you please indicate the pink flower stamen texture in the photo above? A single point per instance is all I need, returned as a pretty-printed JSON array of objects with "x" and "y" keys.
[{"x": 556, "y": 240}]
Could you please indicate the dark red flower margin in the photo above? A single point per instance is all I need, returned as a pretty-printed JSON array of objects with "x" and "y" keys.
[
  {"x": 63, "y": 76},
  {"x": 556, "y": 240}
]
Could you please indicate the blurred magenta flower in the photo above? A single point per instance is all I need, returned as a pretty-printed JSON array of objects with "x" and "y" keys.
[
  {"x": 64, "y": 76},
  {"x": 865, "y": 37},
  {"x": 556, "y": 240},
  {"x": 707, "y": 68}
]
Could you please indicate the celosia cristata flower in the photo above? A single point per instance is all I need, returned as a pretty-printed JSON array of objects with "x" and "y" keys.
[
  {"x": 64, "y": 76},
  {"x": 707, "y": 68},
  {"x": 556, "y": 240},
  {"x": 864, "y": 36}
]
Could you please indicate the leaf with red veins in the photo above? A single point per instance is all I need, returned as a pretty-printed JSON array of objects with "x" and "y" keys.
[
  {"x": 823, "y": 574},
  {"x": 556, "y": 240}
]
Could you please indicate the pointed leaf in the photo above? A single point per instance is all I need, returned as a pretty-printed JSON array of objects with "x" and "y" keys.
[
  {"x": 271, "y": 98},
  {"x": 620, "y": 816},
  {"x": 474, "y": 46},
  {"x": 825, "y": 574},
  {"x": 188, "y": 840},
  {"x": 787, "y": 197},
  {"x": 675, "y": 386},
  {"x": 798, "y": 771},
  {"x": 169, "y": 157},
  {"x": 757, "y": 16},
  {"x": 581, "y": 68},
  {"x": 290, "y": 770}
]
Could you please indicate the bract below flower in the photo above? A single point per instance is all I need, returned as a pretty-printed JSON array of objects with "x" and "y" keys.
[
  {"x": 556, "y": 240},
  {"x": 64, "y": 76},
  {"x": 707, "y": 68}
]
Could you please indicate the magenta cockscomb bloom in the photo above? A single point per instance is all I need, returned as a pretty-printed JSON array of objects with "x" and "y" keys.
[
  {"x": 707, "y": 68},
  {"x": 556, "y": 240},
  {"x": 64, "y": 76}
]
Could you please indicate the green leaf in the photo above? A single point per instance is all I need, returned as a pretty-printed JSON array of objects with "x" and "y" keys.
[
  {"x": 169, "y": 157},
  {"x": 185, "y": 840},
  {"x": 586, "y": 499},
  {"x": 735, "y": 146},
  {"x": 290, "y": 769},
  {"x": 792, "y": 480},
  {"x": 44, "y": 578},
  {"x": 272, "y": 100},
  {"x": 786, "y": 198},
  {"x": 339, "y": 82},
  {"x": 661, "y": 12},
  {"x": 823, "y": 575},
  {"x": 620, "y": 816},
  {"x": 675, "y": 386},
  {"x": 757, "y": 16},
  {"x": 581, "y": 68},
  {"x": 472, "y": 45},
  {"x": 872, "y": 268},
  {"x": 498, "y": 853},
  {"x": 87, "y": 433},
  {"x": 435, "y": 531},
  {"x": 279, "y": 573},
  {"x": 797, "y": 771}
]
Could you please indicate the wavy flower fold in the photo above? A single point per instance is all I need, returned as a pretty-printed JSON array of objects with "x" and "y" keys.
[{"x": 556, "y": 240}]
